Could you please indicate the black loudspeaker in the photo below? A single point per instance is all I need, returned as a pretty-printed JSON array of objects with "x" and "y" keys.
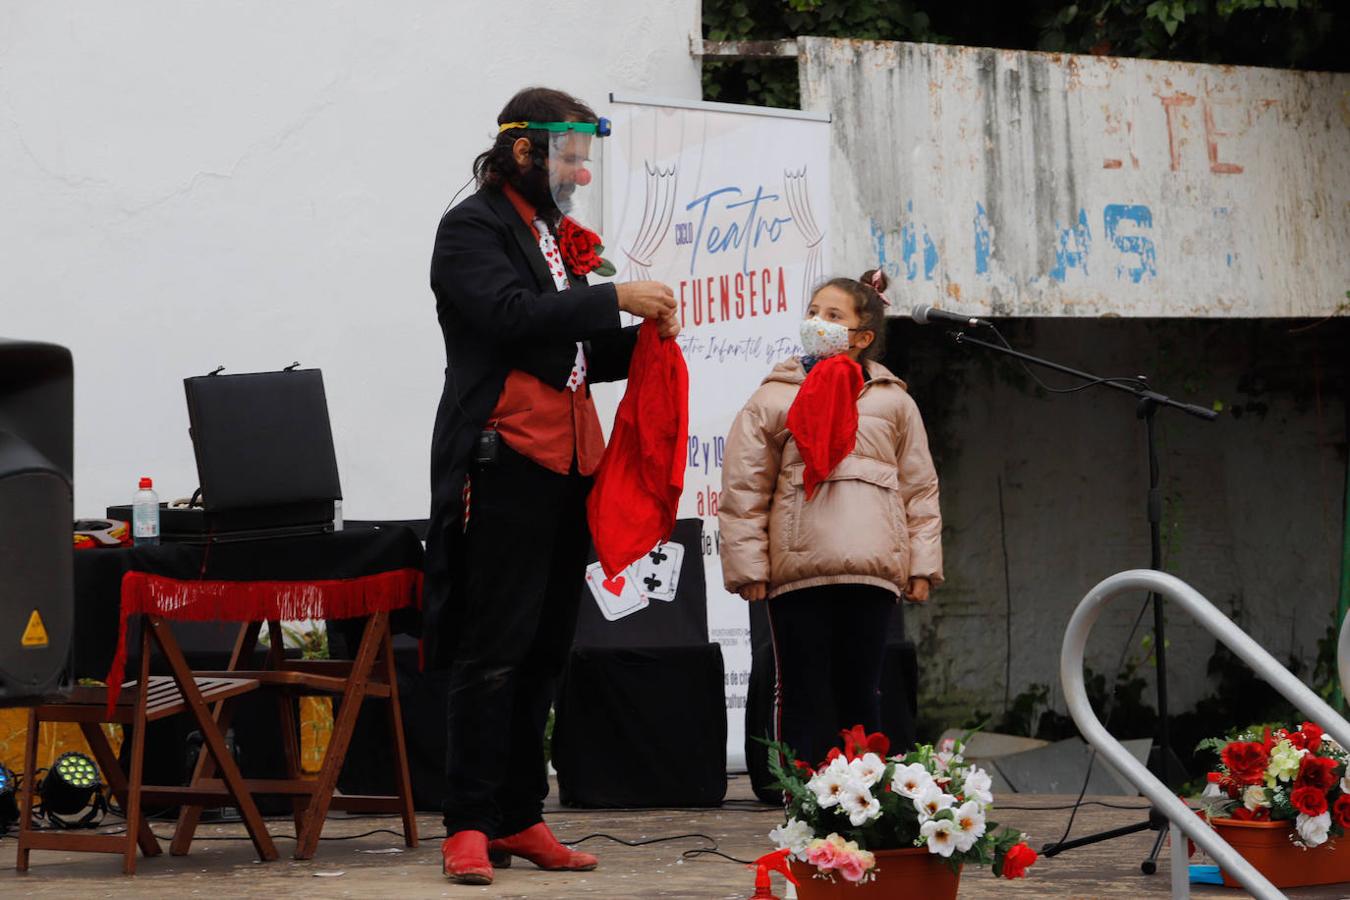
[{"x": 36, "y": 569}]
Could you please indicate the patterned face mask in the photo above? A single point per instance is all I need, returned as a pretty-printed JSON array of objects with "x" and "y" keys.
[{"x": 821, "y": 339}]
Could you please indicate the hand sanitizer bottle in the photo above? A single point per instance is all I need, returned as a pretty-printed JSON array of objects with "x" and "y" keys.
[{"x": 145, "y": 515}]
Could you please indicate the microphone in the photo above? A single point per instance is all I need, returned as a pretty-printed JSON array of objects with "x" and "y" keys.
[{"x": 927, "y": 315}]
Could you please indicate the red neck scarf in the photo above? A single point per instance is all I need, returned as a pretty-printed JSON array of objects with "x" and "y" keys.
[{"x": 823, "y": 418}]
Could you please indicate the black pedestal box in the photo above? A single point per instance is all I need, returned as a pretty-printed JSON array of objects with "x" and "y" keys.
[{"x": 642, "y": 728}]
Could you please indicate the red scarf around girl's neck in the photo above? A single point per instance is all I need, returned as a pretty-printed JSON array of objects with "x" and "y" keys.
[{"x": 823, "y": 419}]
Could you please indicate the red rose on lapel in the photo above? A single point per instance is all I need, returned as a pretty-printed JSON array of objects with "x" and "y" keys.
[{"x": 580, "y": 248}]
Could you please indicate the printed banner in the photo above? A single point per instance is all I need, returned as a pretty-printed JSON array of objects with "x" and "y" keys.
[{"x": 731, "y": 209}]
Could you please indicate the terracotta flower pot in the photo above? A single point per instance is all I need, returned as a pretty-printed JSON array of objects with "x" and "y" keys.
[
  {"x": 1268, "y": 847},
  {"x": 910, "y": 874}
]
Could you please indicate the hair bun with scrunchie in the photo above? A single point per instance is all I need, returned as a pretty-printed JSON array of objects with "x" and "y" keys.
[{"x": 877, "y": 281}]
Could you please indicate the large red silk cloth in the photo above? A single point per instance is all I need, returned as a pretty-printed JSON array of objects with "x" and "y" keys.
[
  {"x": 823, "y": 419},
  {"x": 633, "y": 504}
]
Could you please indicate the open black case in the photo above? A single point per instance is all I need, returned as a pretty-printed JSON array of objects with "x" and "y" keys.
[{"x": 265, "y": 459}]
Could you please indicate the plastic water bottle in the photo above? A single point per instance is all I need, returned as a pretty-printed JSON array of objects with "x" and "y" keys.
[{"x": 145, "y": 515}]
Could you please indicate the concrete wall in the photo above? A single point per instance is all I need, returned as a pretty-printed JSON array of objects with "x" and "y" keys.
[
  {"x": 1036, "y": 184},
  {"x": 1253, "y": 501},
  {"x": 186, "y": 185},
  {"x": 1022, "y": 184}
]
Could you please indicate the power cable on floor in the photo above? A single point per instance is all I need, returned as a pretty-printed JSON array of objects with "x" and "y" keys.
[
  {"x": 692, "y": 854},
  {"x": 687, "y": 854}
]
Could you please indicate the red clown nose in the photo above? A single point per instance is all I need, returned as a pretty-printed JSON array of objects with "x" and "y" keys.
[{"x": 583, "y": 177}]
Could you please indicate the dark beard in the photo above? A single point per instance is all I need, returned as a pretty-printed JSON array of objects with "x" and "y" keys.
[{"x": 533, "y": 186}]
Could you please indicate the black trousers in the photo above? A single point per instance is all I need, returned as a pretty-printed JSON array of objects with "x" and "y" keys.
[
  {"x": 517, "y": 575},
  {"x": 830, "y": 643}
]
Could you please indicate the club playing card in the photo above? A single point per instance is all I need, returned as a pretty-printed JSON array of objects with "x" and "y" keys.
[
  {"x": 658, "y": 572},
  {"x": 618, "y": 597}
]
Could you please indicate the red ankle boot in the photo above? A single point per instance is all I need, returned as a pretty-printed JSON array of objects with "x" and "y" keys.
[
  {"x": 464, "y": 858},
  {"x": 539, "y": 846}
]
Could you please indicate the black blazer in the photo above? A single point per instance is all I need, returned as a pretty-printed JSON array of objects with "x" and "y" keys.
[{"x": 499, "y": 310}]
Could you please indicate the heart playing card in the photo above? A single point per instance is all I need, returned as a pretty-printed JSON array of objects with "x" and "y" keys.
[
  {"x": 658, "y": 572},
  {"x": 616, "y": 597}
]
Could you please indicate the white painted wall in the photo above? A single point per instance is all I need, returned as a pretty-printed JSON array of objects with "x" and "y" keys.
[{"x": 186, "y": 185}]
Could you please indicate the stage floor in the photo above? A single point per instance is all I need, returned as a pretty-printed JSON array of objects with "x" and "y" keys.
[{"x": 378, "y": 865}]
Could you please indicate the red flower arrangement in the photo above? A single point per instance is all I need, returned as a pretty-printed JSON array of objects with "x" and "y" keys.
[
  {"x": 581, "y": 249},
  {"x": 1282, "y": 774}
]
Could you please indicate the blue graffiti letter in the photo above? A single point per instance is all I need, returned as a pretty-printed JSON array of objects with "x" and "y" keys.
[
  {"x": 879, "y": 243},
  {"x": 1140, "y": 246},
  {"x": 1066, "y": 256},
  {"x": 982, "y": 242},
  {"x": 909, "y": 248},
  {"x": 909, "y": 243}
]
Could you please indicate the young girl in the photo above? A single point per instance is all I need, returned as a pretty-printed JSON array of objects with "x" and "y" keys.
[{"x": 829, "y": 511}]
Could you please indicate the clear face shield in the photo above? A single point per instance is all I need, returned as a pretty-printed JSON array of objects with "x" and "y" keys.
[
  {"x": 575, "y": 176},
  {"x": 575, "y": 166}
]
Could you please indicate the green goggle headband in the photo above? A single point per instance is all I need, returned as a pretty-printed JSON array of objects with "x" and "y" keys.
[{"x": 599, "y": 129}]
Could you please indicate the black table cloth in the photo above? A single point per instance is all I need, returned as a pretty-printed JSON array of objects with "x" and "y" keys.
[{"x": 343, "y": 574}]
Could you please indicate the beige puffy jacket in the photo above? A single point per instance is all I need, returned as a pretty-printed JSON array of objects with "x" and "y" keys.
[{"x": 875, "y": 520}]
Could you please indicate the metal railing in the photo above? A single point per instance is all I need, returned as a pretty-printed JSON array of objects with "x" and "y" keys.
[
  {"x": 1182, "y": 818},
  {"x": 1343, "y": 655}
]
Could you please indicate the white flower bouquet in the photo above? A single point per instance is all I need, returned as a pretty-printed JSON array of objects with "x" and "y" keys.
[{"x": 860, "y": 799}]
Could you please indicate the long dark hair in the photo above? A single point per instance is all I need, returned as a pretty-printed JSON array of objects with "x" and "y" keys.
[
  {"x": 534, "y": 104},
  {"x": 868, "y": 302}
]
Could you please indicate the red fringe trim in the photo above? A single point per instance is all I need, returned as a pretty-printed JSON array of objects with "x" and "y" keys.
[{"x": 254, "y": 601}]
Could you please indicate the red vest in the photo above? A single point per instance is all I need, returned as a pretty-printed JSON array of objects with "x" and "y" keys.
[{"x": 548, "y": 426}]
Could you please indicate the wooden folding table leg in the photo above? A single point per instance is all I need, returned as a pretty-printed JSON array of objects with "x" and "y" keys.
[
  {"x": 26, "y": 795},
  {"x": 308, "y": 837},
  {"x": 190, "y": 816},
  {"x": 138, "y": 723},
  {"x": 213, "y": 739},
  {"x": 402, "y": 778},
  {"x": 290, "y": 738},
  {"x": 117, "y": 781}
]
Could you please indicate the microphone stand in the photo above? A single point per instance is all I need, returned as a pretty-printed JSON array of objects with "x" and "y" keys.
[{"x": 1148, "y": 402}]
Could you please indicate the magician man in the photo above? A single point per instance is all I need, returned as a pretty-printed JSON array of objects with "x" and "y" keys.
[{"x": 515, "y": 443}]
